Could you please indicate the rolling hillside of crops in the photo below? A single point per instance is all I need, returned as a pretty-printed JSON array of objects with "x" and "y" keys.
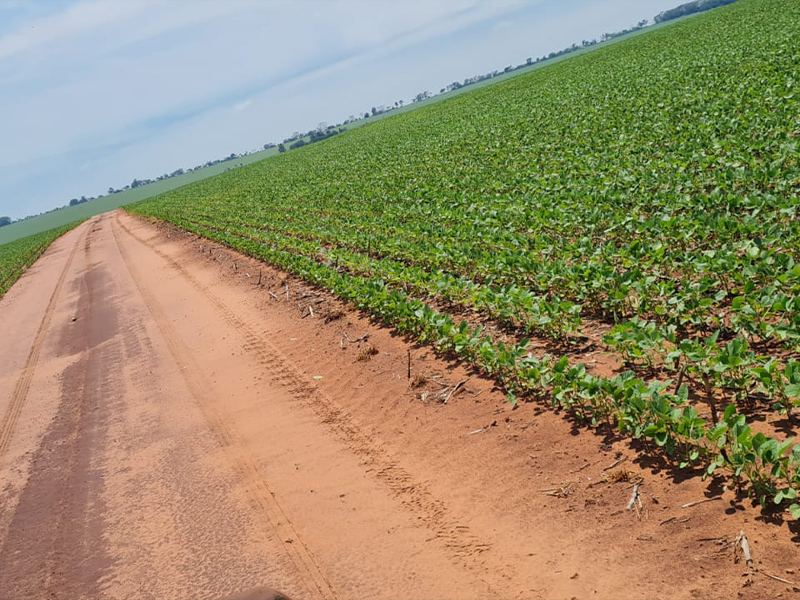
[{"x": 616, "y": 235}]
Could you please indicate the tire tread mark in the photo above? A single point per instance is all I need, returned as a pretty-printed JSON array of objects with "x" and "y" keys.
[
  {"x": 260, "y": 492},
  {"x": 465, "y": 546},
  {"x": 8, "y": 424}
]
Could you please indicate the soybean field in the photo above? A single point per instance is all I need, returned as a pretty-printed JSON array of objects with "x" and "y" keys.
[{"x": 616, "y": 235}]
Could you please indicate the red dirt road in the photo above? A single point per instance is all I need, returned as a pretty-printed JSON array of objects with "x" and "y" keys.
[{"x": 175, "y": 422}]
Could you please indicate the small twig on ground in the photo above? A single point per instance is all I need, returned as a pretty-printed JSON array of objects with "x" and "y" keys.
[
  {"x": 311, "y": 312},
  {"x": 579, "y": 469},
  {"x": 746, "y": 549},
  {"x": 273, "y": 295},
  {"x": 481, "y": 430},
  {"x": 453, "y": 391},
  {"x": 287, "y": 291},
  {"x": 361, "y": 339},
  {"x": 703, "y": 501},
  {"x": 615, "y": 463},
  {"x": 259, "y": 277},
  {"x": 634, "y": 496},
  {"x": 795, "y": 587},
  {"x": 409, "y": 364},
  {"x": 562, "y": 491},
  {"x": 741, "y": 542}
]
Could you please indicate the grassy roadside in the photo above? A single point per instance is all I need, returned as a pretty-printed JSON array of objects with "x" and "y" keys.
[{"x": 16, "y": 257}]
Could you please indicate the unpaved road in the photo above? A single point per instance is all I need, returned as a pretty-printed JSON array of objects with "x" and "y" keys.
[{"x": 172, "y": 430}]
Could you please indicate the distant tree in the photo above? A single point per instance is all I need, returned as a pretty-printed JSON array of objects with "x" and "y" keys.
[
  {"x": 366, "y": 115},
  {"x": 5, "y": 221},
  {"x": 111, "y": 190},
  {"x": 690, "y": 8},
  {"x": 422, "y": 96},
  {"x": 74, "y": 202},
  {"x": 135, "y": 183},
  {"x": 281, "y": 148}
]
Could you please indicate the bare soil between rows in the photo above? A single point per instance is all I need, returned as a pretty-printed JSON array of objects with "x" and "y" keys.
[{"x": 187, "y": 422}]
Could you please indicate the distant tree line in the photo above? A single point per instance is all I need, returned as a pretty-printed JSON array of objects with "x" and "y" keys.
[
  {"x": 532, "y": 61},
  {"x": 690, "y": 8},
  {"x": 322, "y": 132}
]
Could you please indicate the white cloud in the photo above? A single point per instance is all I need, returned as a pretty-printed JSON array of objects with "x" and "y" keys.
[
  {"x": 240, "y": 106},
  {"x": 76, "y": 20}
]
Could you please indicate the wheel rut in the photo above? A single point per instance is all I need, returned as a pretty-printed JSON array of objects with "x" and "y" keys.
[
  {"x": 23, "y": 385},
  {"x": 467, "y": 550},
  {"x": 272, "y": 512}
]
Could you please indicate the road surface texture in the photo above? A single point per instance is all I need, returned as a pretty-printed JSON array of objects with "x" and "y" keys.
[{"x": 178, "y": 421}]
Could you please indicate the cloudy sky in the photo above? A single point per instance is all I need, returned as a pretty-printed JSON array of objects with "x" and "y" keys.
[{"x": 96, "y": 92}]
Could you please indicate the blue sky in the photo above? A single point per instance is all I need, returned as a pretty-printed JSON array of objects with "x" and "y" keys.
[{"x": 96, "y": 92}]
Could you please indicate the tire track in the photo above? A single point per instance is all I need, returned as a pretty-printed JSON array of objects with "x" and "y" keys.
[
  {"x": 23, "y": 385},
  {"x": 274, "y": 515},
  {"x": 466, "y": 548}
]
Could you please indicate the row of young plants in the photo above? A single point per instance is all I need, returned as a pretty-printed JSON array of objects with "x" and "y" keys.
[
  {"x": 519, "y": 308},
  {"x": 720, "y": 299},
  {"x": 17, "y": 256},
  {"x": 732, "y": 370},
  {"x": 645, "y": 410}
]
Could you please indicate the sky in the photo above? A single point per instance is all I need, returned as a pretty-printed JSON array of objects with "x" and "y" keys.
[{"x": 95, "y": 93}]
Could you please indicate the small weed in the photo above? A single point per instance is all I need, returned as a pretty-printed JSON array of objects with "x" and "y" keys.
[
  {"x": 367, "y": 353},
  {"x": 334, "y": 315},
  {"x": 418, "y": 380},
  {"x": 618, "y": 476}
]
